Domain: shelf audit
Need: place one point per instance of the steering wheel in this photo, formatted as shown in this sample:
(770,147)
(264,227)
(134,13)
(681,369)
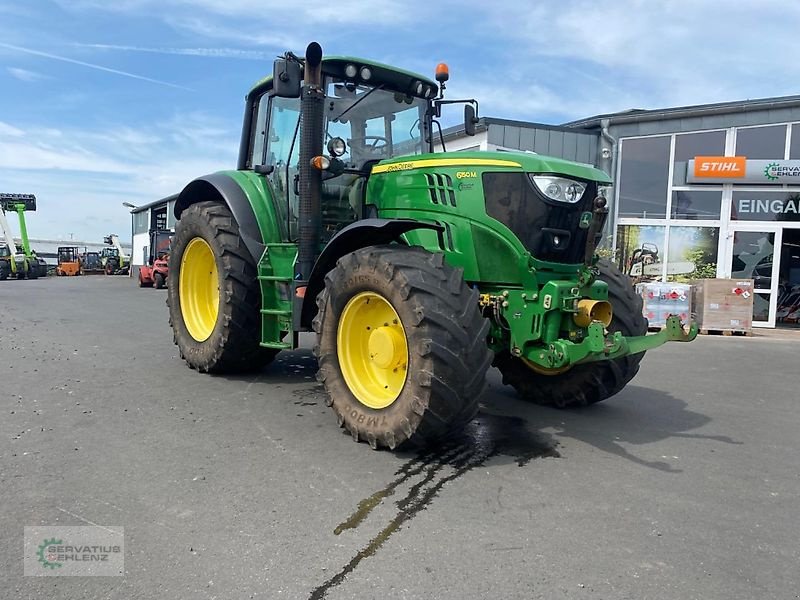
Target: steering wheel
(374,147)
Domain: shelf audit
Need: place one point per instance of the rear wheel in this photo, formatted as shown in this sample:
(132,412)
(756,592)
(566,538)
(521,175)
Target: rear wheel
(592,382)
(401,346)
(214,297)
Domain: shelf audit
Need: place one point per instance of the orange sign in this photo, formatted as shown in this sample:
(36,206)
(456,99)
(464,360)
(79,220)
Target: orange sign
(720,166)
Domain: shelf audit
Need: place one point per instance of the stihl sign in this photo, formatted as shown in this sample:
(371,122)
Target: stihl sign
(728,167)
(737,169)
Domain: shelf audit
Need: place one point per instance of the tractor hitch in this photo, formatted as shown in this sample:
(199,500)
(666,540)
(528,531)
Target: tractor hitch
(599,346)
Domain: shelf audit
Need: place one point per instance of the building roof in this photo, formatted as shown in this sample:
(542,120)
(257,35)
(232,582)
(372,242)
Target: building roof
(484,123)
(696,110)
(155,203)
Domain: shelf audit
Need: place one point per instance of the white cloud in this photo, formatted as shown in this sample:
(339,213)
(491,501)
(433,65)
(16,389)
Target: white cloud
(7,130)
(26,75)
(665,53)
(277,14)
(200,52)
(90,65)
(81,176)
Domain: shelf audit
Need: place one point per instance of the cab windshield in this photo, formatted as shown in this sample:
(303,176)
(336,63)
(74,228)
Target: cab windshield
(376,123)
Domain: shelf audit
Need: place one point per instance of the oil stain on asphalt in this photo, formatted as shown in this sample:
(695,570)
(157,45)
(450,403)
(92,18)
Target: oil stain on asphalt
(487,436)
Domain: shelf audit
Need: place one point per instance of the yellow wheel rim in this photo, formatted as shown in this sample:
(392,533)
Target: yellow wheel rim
(372,348)
(198,289)
(544,370)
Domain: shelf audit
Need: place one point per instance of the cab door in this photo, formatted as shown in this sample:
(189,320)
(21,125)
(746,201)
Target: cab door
(275,152)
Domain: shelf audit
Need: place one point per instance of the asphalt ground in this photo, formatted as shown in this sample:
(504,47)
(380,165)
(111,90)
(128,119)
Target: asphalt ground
(685,485)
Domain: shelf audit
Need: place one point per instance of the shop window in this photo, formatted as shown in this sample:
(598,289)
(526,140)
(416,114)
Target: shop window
(640,251)
(766,206)
(692,253)
(140,222)
(696,205)
(794,146)
(689,145)
(171,215)
(644,175)
(761,142)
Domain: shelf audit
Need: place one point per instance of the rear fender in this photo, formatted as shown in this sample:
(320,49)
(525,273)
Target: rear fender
(222,187)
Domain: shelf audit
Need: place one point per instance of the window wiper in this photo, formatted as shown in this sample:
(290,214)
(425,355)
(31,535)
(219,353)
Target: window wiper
(357,102)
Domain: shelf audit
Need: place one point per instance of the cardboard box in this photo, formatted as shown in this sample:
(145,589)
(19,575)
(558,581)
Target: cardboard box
(724,304)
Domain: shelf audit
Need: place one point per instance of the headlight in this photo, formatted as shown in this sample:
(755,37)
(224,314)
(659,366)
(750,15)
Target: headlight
(604,191)
(559,188)
(366,73)
(337,146)
(350,71)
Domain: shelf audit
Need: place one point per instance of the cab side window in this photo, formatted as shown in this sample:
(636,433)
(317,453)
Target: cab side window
(274,144)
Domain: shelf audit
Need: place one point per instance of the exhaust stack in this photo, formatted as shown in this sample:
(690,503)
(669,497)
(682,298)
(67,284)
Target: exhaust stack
(311,105)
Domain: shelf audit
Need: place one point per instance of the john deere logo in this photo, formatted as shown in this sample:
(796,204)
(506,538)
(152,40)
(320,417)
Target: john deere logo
(769,171)
(46,554)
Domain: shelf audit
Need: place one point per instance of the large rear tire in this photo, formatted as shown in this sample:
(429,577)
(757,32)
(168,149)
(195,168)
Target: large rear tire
(213,294)
(401,346)
(584,384)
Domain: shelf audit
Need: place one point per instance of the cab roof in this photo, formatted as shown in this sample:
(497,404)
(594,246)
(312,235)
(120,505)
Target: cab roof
(395,79)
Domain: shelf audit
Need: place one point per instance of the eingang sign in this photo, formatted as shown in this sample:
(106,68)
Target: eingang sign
(737,169)
(765,206)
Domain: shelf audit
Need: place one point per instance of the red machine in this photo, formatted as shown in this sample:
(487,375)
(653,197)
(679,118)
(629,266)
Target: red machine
(154,273)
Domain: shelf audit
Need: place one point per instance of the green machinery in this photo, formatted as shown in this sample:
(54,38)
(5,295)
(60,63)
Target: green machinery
(21,263)
(113,260)
(416,270)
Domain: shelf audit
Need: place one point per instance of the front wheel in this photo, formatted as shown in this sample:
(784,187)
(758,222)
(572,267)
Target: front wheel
(214,297)
(158,281)
(401,346)
(591,382)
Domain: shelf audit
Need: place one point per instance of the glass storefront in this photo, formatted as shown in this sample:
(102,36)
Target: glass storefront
(787,312)
(668,229)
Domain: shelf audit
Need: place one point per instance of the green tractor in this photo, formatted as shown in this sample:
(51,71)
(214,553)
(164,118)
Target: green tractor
(416,270)
(21,263)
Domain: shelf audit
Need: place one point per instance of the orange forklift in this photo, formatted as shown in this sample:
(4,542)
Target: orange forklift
(69,262)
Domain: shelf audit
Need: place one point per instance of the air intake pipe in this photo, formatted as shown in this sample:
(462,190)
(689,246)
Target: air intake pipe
(311,109)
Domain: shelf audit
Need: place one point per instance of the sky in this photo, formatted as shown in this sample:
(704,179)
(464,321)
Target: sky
(111,101)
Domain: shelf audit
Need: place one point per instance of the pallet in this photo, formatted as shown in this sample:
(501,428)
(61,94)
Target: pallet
(726,332)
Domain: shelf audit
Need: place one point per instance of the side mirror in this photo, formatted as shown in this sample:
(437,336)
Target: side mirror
(286,76)
(470,120)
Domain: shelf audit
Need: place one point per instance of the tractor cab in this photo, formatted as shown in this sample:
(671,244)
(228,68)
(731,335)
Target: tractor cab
(160,241)
(370,113)
(67,254)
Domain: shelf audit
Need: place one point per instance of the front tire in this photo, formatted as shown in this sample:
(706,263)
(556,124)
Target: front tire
(592,382)
(401,346)
(213,294)
(158,281)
